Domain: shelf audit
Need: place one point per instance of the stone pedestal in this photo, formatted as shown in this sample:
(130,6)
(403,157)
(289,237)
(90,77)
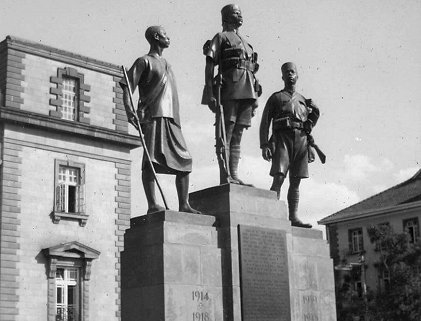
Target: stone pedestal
(242,261)
(171,269)
(271,271)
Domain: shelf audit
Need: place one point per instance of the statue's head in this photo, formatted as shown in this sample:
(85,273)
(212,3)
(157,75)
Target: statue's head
(231,14)
(157,35)
(289,73)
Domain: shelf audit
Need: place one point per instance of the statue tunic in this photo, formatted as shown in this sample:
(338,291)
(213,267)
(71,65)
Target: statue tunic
(158,111)
(287,112)
(234,55)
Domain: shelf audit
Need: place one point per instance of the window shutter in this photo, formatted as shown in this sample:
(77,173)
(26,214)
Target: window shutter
(417,228)
(351,249)
(60,197)
(361,241)
(80,198)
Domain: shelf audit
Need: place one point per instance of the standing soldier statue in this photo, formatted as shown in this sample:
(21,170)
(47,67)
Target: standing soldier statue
(158,118)
(232,94)
(290,147)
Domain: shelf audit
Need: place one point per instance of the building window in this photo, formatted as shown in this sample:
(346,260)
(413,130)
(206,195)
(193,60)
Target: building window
(70,191)
(67,294)
(385,280)
(70,196)
(356,244)
(412,228)
(69,270)
(70,98)
(358,288)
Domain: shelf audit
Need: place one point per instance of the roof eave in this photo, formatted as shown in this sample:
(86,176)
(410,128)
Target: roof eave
(371,212)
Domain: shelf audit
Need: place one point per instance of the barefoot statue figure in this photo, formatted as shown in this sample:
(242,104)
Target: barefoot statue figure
(158,117)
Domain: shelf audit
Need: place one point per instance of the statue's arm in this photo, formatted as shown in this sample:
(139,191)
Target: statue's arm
(133,75)
(264,130)
(312,117)
(209,75)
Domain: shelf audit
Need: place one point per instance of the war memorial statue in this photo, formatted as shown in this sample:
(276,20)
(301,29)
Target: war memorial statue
(292,118)
(158,115)
(233,92)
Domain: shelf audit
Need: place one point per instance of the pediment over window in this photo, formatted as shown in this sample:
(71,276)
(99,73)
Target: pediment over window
(72,250)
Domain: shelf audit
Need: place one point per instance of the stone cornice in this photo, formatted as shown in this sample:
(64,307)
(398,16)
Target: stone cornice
(67,57)
(71,127)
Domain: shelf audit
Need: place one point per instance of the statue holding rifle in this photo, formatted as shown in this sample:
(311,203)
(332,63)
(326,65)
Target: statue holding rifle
(232,94)
(157,116)
(290,148)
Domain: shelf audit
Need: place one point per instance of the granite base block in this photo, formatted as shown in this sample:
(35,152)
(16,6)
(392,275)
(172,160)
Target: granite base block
(239,261)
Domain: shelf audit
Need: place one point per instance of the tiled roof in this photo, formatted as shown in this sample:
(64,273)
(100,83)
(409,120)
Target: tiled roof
(403,193)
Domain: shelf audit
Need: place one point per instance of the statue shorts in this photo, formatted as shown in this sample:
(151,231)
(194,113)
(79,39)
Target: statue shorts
(238,111)
(291,153)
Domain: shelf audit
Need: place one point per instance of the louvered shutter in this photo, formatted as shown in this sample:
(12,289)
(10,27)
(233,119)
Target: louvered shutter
(80,199)
(60,198)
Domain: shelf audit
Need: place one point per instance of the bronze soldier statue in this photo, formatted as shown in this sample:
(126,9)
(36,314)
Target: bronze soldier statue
(158,114)
(235,87)
(292,118)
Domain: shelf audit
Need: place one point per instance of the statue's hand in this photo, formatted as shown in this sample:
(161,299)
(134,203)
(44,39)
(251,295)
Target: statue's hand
(266,153)
(254,107)
(310,103)
(308,126)
(213,104)
(132,120)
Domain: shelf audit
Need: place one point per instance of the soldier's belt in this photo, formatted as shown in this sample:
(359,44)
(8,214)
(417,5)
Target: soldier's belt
(237,64)
(286,123)
(233,53)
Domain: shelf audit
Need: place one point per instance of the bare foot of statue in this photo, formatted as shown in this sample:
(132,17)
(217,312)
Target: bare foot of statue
(240,182)
(155,208)
(231,180)
(188,209)
(298,223)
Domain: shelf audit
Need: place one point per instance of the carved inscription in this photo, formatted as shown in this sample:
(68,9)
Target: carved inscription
(264,274)
(202,299)
(310,306)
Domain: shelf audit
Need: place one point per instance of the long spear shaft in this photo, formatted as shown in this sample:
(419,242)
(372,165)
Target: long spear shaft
(142,139)
(222,124)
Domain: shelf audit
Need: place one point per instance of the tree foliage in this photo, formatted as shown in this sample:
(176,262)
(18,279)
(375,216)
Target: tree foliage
(401,301)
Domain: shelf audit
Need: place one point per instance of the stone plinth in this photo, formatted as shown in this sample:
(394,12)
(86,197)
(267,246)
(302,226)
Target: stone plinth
(271,271)
(240,261)
(171,269)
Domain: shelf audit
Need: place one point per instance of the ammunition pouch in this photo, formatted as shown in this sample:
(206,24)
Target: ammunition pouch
(236,63)
(286,123)
(228,53)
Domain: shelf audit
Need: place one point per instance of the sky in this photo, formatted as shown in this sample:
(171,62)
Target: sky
(359,60)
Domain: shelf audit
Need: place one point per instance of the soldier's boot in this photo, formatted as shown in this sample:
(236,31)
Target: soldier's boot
(182,186)
(148,181)
(224,178)
(293,199)
(234,160)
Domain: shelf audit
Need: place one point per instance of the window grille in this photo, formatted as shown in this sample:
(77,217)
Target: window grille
(356,243)
(67,294)
(70,98)
(70,194)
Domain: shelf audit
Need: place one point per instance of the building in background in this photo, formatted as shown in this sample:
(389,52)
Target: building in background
(346,230)
(65,184)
